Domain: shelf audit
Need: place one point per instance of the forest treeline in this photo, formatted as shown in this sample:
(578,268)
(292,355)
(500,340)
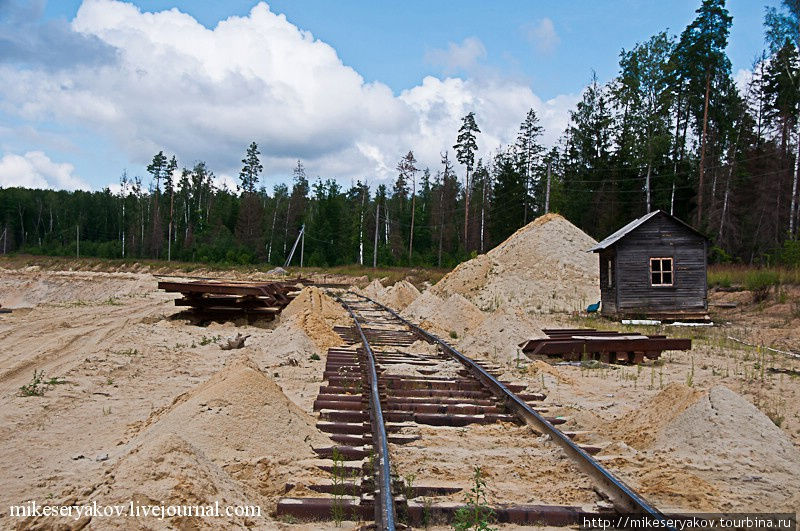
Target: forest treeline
(671,131)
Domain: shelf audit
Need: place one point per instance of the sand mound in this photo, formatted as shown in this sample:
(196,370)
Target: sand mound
(315,300)
(640,427)
(245,434)
(424,305)
(542,267)
(374,290)
(168,470)
(706,450)
(499,334)
(316,314)
(443,316)
(240,411)
(399,295)
(725,429)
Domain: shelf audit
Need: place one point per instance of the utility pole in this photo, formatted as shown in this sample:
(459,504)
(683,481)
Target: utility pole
(547,194)
(78,241)
(302,245)
(377,224)
(361,228)
(5,230)
(294,247)
(123,227)
(171,210)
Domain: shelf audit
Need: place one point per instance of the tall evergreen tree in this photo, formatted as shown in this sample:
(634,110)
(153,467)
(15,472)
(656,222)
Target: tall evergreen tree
(783,25)
(466,146)
(408,171)
(529,151)
(252,168)
(701,51)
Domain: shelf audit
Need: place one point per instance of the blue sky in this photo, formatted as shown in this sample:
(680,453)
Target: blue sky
(90,112)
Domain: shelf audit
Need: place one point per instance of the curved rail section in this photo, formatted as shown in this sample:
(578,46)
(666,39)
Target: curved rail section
(624,499)
(384,510)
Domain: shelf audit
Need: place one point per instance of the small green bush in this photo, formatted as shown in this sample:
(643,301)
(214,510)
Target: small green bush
(36,387)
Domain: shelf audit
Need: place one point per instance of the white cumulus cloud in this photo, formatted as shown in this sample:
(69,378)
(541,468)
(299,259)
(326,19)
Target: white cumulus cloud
(36,170)
(205,94)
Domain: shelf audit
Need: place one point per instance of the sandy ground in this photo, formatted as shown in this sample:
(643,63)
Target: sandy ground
(703,430)
(144,406)
(181,420)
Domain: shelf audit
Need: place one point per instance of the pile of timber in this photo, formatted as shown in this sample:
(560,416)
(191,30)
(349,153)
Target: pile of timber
(216,299)
(577,344)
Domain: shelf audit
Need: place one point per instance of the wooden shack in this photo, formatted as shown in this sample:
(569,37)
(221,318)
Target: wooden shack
(654,267)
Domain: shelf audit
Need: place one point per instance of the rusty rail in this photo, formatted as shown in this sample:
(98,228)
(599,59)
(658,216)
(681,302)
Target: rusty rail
(384,510)
(625,500)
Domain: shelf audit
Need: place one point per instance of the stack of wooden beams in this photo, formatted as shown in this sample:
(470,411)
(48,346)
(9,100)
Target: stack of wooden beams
(231,299)
(577,344)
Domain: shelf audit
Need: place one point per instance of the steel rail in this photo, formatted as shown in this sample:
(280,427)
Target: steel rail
(384,511)
(624,499)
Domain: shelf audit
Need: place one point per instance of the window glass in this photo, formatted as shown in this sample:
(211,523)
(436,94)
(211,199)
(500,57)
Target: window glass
(661,272)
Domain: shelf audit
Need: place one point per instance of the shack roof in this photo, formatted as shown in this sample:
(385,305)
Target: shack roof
(633,225)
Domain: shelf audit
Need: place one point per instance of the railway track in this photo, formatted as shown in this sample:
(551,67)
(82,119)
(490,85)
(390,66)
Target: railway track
(369,408)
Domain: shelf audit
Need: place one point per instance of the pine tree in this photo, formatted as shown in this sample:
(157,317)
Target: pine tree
(508,208)
(784,25)
(252,168)
(465,147)
(157,168)
(529,151)
(644,92)
(169,189)
(701,51)
(408,170)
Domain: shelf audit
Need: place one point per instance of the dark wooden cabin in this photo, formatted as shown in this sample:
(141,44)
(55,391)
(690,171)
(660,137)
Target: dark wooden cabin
(654,266)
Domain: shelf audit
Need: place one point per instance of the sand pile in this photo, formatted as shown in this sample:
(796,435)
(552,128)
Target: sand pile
(316,314)
(169,470)
(374,290)
(704,451)
(257,416)
(399,295)
(443,316)
(640,427)
(499,334)
(542,267)
(724,429)
(315,300)
(234,438)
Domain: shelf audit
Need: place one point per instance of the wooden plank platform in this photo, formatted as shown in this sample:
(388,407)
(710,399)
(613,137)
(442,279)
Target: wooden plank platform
(575,344)
(219,299)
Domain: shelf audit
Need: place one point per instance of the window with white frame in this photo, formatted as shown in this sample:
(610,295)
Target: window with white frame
(661,272)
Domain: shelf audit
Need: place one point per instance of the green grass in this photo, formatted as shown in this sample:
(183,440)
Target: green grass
(36,387)
(751,278)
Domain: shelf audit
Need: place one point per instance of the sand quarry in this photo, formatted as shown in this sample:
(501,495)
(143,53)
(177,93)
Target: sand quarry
(142,405)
